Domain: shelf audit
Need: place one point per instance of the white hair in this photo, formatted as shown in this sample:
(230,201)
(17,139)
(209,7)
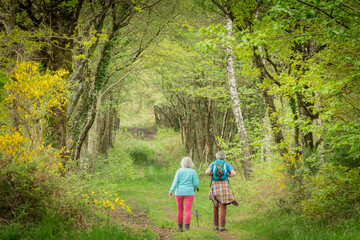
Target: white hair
(186,162)
(220,155)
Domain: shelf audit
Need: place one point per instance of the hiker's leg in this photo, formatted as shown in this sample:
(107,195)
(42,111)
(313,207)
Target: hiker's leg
(180,208)
(222,214)
(216,215)
(188,202)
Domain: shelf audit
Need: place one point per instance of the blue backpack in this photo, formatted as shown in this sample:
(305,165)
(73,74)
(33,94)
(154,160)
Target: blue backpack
(219,171)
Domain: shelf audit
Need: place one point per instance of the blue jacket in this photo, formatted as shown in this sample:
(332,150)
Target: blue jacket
(185,182)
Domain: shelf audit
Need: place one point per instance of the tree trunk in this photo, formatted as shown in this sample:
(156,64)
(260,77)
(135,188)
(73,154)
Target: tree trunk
(97,84)
(198,129)
(307,140)
(296,123)
(104,127)
(247,165)
(208,140)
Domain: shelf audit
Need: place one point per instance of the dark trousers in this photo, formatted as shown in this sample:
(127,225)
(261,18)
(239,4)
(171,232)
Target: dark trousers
(222,214)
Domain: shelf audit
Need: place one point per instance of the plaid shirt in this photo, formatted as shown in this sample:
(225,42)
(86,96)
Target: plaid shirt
(220,193)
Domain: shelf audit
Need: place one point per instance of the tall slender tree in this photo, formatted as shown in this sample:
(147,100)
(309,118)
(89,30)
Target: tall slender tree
(235,100)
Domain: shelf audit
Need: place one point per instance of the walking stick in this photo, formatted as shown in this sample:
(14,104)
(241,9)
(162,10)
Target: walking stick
(196,212)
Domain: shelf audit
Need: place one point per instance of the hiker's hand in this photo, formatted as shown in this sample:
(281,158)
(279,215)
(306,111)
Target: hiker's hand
(208,171)
(232,173)
(170,195)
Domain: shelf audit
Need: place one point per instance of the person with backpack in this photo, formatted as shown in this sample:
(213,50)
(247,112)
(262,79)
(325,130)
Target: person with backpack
(220,192)
(185,183)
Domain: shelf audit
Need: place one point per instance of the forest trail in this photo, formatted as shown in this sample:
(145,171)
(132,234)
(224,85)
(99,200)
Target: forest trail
(139,218)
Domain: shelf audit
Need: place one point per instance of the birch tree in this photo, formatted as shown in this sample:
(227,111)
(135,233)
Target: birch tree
(235,101)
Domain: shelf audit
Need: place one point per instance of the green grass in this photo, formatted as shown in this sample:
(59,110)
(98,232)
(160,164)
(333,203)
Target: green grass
(278,226)
(54,228)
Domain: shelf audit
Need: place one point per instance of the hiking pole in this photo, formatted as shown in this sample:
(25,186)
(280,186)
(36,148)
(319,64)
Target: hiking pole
(196,212)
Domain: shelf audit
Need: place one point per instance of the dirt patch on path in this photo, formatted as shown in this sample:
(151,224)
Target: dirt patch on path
(227,236)
(138,220)
(142,133)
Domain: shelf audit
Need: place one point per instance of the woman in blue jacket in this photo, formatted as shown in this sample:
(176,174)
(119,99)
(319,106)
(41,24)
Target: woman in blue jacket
(185,182)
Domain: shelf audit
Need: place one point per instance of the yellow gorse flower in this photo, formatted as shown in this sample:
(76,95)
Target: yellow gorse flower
(291,161)
(34,94)
(107,200)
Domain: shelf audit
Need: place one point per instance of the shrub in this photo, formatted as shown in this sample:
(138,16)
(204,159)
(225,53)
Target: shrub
(341,155)
(266,190)
(333,193)
(118,165)
(142,154)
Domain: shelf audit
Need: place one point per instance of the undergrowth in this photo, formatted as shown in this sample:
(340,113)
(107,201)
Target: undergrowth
(77,206)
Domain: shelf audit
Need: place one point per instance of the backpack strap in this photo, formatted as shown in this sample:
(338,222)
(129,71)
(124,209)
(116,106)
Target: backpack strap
(213,168)
(212,174)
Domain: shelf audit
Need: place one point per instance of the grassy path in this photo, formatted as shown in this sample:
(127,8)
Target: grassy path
(153,209)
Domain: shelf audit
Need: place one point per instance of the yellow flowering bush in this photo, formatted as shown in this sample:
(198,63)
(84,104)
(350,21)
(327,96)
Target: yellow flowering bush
(11,143)
(106,200)
(32,95)
(29,169)
(13,149)
(290,162)
(35,93)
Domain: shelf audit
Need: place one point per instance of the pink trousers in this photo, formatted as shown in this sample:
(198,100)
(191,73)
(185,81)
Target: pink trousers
(180,208)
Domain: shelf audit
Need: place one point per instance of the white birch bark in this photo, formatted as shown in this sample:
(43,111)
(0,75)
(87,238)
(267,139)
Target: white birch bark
(236,103)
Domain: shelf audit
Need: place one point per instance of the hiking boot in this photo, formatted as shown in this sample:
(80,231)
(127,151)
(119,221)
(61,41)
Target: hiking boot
(187,227)
(216,228)
(222,228)
(180,228)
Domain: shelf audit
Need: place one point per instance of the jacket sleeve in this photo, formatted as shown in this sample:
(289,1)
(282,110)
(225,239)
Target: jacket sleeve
(195,180)
(175,182)
(229,167)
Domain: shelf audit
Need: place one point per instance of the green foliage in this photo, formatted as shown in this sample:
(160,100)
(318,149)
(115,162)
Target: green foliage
(334,193)
(168,144)
(142,154)
(25,193)
(345,142)
(3,80)
(342,156)
(117,166)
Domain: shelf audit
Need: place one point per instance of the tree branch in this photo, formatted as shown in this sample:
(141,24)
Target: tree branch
(320,10)
(349,7)
(128,73)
